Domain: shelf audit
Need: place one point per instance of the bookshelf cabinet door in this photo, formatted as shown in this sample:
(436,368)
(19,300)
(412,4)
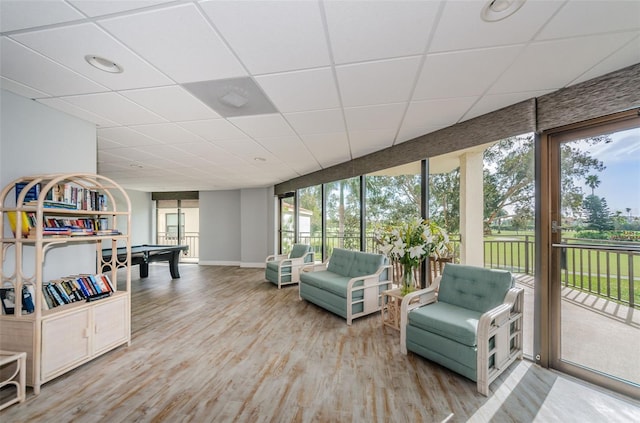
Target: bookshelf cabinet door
(65,341)
(110,324)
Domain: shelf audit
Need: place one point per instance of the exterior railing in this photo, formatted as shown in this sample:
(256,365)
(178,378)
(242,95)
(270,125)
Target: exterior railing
(189,238)
(609,269)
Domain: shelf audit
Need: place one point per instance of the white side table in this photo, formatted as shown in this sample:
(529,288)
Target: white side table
(16,377)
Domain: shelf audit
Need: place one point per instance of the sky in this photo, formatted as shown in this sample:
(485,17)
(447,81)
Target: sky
(620,181)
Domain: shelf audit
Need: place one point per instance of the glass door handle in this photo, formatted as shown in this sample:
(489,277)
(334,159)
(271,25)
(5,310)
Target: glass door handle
(555,227)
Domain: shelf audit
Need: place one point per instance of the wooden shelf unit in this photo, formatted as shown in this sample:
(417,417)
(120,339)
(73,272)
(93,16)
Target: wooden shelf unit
(62,338)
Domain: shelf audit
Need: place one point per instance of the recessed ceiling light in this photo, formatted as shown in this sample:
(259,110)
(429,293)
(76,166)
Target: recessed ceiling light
(497,10)
(135,165)
(103,64)
(259,159)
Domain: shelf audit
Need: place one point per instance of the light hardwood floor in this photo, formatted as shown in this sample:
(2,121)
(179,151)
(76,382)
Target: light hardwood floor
(222,345)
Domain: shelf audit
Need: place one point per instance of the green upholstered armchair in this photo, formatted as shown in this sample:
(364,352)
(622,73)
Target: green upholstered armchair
(284,269)
(469,320)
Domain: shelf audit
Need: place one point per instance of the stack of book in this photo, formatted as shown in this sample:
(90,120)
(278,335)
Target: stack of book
(76,288)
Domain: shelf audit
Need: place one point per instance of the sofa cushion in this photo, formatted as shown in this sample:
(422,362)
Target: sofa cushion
(340,261)
(330,282)
(447,320)
(299,250)
(473,288)
(365,264)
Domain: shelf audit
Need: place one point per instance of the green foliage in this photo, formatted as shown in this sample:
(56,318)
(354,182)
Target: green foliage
(592,235)
(597,214)
(444,204)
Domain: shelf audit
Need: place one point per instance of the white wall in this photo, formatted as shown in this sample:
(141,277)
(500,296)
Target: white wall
(35,139)
(142,216)
(253,227)
(220,227)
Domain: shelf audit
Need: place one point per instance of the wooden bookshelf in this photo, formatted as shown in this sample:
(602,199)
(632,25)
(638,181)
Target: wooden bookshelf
(61,338)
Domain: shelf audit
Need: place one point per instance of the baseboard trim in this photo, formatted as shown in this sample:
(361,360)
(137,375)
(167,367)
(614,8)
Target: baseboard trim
(254,265)
(218,263)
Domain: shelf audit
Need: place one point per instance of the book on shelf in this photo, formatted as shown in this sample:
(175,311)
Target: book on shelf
(8,298)
(76,288)
(31,195)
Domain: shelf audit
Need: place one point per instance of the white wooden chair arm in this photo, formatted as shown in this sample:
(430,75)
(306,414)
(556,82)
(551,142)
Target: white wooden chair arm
(276,257)
(373,279)
(425,297)
(314,267)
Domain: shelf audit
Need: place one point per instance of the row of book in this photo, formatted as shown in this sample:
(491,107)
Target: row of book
(76,288)
(64,195)
(56,226)
(8,299)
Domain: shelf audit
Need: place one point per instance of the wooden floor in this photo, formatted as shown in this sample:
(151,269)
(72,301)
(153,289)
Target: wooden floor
(222,345)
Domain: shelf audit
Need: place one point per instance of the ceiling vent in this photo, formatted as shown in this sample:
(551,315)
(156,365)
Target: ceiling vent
(232,97)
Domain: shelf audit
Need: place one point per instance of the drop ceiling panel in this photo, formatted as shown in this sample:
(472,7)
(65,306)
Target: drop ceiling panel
(454,68)
(407,133)
(20,89)
(114,107)
(302,90)
(172,103)
(263,126)
(434,113)
(69,45)
(105,144)
(328,149)
(78,112)
(27,67)
(214,129)
(527,74)
(317,121)
(127,137)
(167,133)
(246,149)
(460,26)
(272,36)
(178,41)
(388,81)
(384,116)
(490,103)
(358,30)
(626,56)
(578,18)
(365,142)
(16,15)
(98,8)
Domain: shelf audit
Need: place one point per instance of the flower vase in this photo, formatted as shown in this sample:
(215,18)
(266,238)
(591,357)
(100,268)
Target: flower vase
(408,280)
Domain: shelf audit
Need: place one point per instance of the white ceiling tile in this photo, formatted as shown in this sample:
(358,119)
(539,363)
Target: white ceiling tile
(105,144)
(388,81)
(626,56)
(173,103)
(210,152)
(301,90)
(214,129)
(433,113)
(70,44)
(272,36)
(21,89)
(292,151)
(167,133)
(328,149)
(114,107)
(178,41)
(316,122)
(526,74)
(357,29)
(262,126)
(460,26)
(16,15)
(27,67)
(78,112)
(490,103)
(105,7)
(407,133)
(172,151)
(366,142)
(126,137)
(123,155)
(468,73)
(384,116)
(578,18)
(244,148)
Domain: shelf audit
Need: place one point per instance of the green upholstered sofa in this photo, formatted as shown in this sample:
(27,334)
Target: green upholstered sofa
(471,325)
(348,284)
(283,269)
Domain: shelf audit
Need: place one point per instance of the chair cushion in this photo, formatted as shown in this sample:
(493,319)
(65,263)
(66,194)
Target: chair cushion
(330,282)
(365,264)
(299,250)
(473,288)
(273,265)
(447,320)
(340,261)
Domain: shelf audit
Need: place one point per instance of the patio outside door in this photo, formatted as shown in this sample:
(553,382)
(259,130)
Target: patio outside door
(594,253)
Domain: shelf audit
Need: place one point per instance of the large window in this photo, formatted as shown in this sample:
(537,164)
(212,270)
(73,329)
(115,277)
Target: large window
(310,218)
(343,215)
(392,196)
(185,231)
